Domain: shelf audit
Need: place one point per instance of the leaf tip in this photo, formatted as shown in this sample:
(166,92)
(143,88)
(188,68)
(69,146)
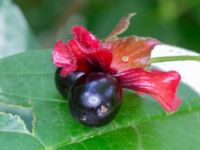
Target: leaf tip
(121,27)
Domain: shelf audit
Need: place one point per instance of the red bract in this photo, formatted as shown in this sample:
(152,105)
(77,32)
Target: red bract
(123,58)
(160,85)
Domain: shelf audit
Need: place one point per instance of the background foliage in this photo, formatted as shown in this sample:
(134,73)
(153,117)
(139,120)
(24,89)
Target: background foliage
(176,22)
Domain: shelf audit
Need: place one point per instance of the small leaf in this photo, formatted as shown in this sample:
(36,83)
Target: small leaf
(121,27)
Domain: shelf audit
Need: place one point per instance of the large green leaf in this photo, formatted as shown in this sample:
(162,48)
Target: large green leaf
(27,80)
(15,35)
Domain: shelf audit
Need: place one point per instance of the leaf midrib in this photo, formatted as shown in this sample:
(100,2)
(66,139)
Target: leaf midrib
(129,124)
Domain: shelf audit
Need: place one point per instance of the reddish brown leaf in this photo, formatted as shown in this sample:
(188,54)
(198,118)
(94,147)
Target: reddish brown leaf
(130,52)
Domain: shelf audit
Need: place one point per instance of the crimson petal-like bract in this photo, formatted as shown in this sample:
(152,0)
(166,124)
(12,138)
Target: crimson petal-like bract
(160,85)
(87,39)
(89,51)
(63,57)
(82,53)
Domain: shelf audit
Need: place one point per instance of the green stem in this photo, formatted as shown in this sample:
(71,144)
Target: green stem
(174,58)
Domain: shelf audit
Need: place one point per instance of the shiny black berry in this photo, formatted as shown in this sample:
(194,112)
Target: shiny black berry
(95,99)
(64,84)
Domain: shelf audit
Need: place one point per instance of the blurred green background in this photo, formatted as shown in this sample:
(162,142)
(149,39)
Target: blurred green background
(175,22)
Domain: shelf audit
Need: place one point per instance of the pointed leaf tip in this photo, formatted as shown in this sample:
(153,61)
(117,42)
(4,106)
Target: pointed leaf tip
(121,27)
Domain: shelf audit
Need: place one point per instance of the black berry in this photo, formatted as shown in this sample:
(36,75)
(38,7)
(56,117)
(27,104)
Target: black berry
(95,99)
(64,84)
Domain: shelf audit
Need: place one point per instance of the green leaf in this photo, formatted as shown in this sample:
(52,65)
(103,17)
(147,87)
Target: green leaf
(27,80)
(15,34)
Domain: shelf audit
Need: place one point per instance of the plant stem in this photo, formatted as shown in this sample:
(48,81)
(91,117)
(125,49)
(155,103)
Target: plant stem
(175,58)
